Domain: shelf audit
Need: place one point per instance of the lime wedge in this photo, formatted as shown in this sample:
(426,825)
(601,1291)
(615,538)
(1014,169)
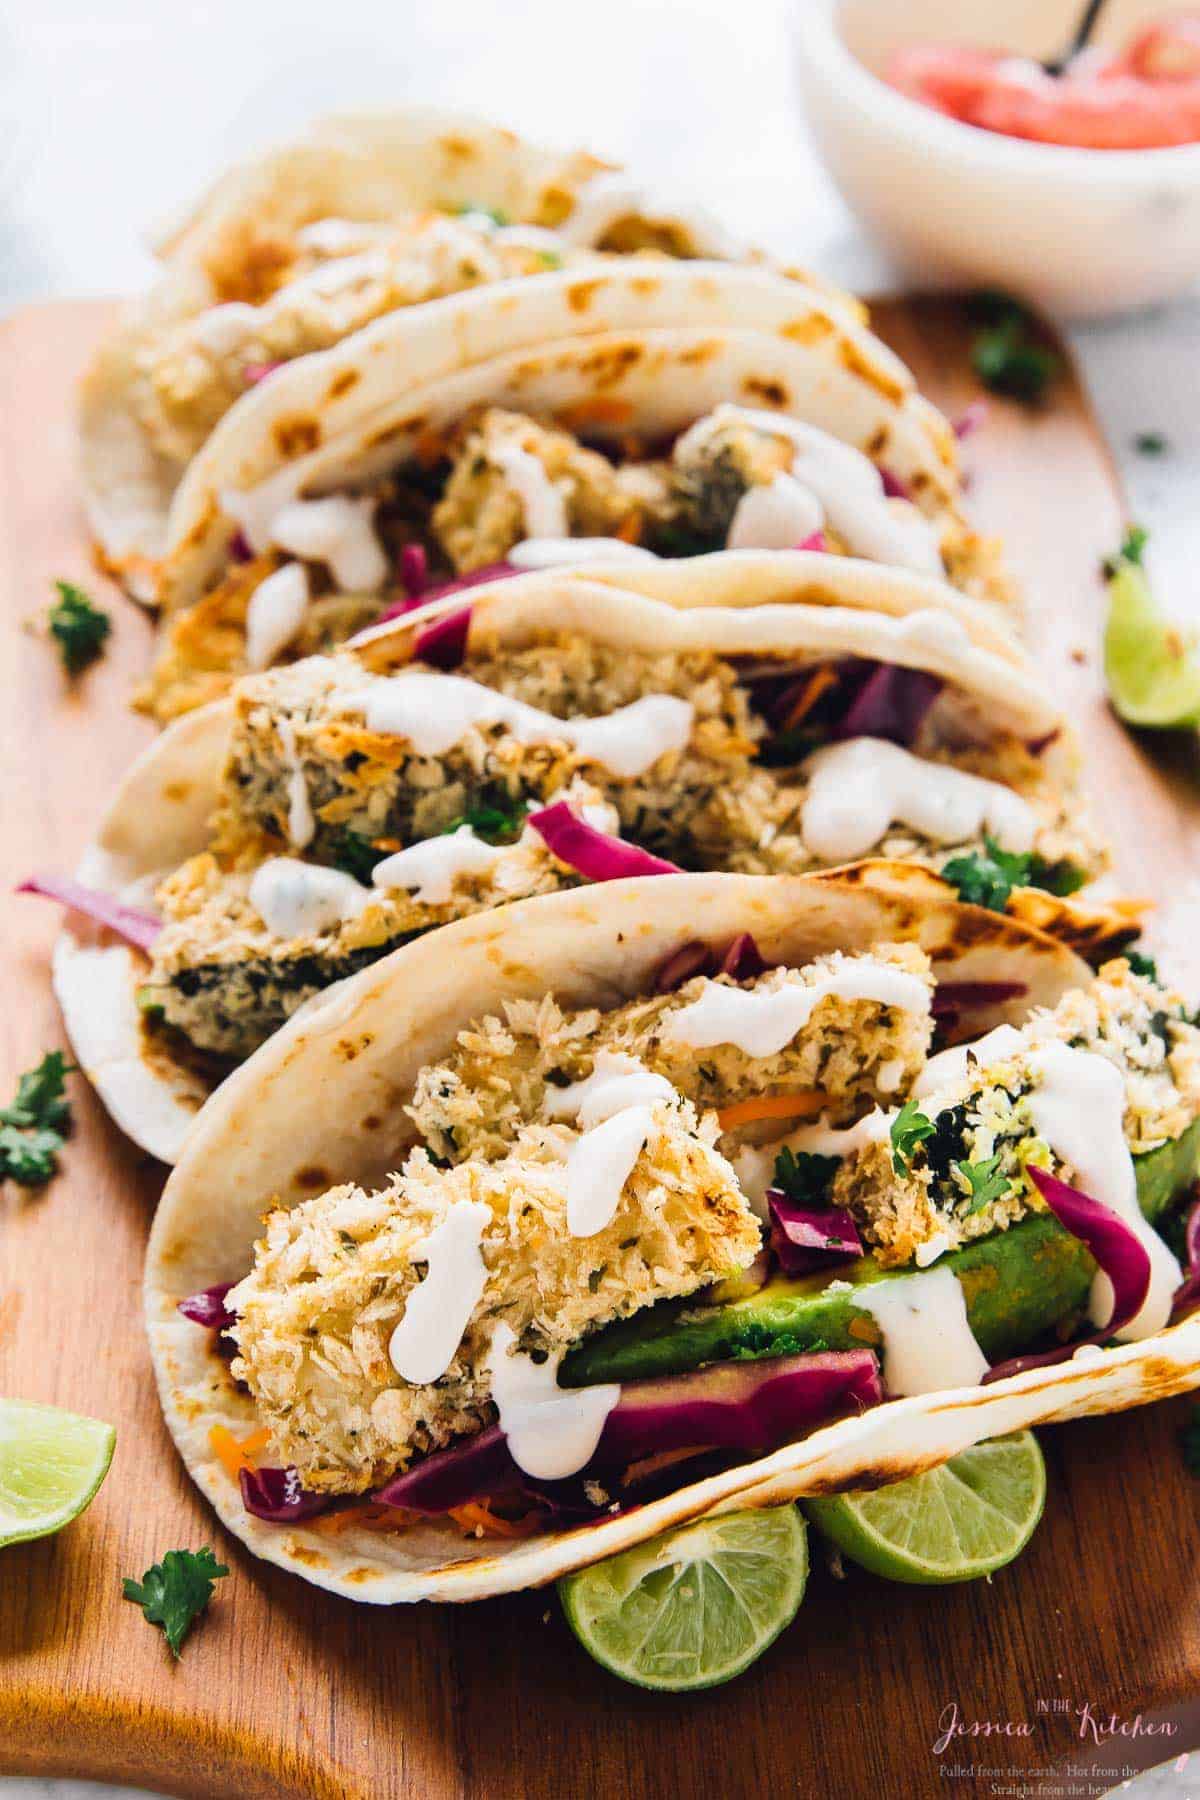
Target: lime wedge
(972,1515)
(694,1607)
(51,1464)
(1151,666)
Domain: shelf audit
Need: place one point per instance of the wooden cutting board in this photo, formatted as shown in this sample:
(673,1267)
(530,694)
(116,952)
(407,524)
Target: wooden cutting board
(283,1691)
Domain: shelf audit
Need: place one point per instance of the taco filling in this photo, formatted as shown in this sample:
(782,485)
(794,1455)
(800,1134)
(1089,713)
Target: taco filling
(359,809)
(628,1242)
(504,491)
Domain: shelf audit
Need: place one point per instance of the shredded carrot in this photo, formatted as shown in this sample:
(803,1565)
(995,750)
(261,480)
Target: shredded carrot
(477,1520)
(258,1440)
(818,683)
(230,1453)
(429,448)
(630,530)
(801,1105)
(369,1515)
(599,409)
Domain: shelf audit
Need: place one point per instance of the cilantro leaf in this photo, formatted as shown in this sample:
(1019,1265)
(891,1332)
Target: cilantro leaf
(755,1340)
(1151,443)
(1189,1441)
(498,821)
(174,1592)
(1132,546)
(803,1177)
(34,1127)
(78,626)
(985,1182)
(910,1128)
(987,878)
(354,854)
(1008,359)
(1141,964)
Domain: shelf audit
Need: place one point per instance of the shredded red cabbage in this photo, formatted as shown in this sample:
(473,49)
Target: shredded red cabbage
(971,419)
(806,1238)
(239,547)
(690,959)
(1118,1251)
(130,922)
(414,570)
(749,1407)
(743,960)
(1187,1294)
(277,1496)
(891,703)
(893,487)
(814,541)
(208,1308)
(444,643)
(953,997)
(256,372)
(496,571)
(593,854)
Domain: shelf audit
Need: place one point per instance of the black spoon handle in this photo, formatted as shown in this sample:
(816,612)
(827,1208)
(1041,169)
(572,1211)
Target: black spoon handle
(1083,32)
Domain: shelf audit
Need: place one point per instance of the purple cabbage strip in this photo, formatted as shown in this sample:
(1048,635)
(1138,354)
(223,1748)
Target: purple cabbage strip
(807,1238)
(277,1496)
(593,854)
(497,571)
(743,960)
(893,487)
(891,703)
(690,959)
(208,1308)
(952,997)
(1187,1294)
(130,922)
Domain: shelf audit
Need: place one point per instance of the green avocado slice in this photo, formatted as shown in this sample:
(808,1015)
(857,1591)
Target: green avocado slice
(1018,1284)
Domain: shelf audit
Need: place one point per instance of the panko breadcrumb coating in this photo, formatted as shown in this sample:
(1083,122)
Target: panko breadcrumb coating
(1144,1030)
(331,1278)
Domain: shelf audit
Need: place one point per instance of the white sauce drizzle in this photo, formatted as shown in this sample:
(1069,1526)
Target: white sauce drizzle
(599,1164)
(616,1080)
(435,711)
(430,868)
(338,531)
(928,1344)
(1078,1110)
(552,1432)
(438,1309)
(334,237)
(949,1068)
(543,506)
(554,552)
(860,788)
(275,614)
(848,488)
(775,515)
(302,825)
(298,899)
(761,1022)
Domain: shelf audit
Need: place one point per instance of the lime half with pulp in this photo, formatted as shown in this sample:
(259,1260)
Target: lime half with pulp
(968,1517)
(51,1464)
(696,1606)
(1152,667)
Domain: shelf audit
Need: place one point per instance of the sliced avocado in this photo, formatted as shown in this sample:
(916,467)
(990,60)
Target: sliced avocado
(1018,1285)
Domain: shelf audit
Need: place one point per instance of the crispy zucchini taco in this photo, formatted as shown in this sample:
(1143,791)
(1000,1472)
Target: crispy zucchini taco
(612,1208)
(628,413)
(802,711)
(295,249)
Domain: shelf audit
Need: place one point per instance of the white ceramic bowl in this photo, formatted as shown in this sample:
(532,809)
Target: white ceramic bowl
(1077,232)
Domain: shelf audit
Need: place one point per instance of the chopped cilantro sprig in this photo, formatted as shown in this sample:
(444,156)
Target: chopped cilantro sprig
(34,1127)
(1006,353)
(78,626)
(804,1177)
(985,1181)
(174,1592)
(910,1128)
(987,878)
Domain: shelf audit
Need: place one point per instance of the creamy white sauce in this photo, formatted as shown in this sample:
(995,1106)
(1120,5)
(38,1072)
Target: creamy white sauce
(302,825)
(1077,1109)
(848,489)
(345,272)
(859,789)
(527,237)
(338,531)
(335,237)
(554,552)
(552,1432)
(928,1344)
(429,869)
(275,614)
(616,1080)
(298,899)
(761,1021)
(775,515)
(222,329)
(543,506)
(599,1164)
(950,1068)
(435,711)
(439,1308)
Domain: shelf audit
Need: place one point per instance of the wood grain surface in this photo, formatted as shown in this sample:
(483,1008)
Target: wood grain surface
(285,1692)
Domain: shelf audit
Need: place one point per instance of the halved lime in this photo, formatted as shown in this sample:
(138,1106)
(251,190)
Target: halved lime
(964,1519)
(51,1464)
(694,1607)
(1152,667)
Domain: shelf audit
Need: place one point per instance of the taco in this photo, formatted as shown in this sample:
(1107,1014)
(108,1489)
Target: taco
(615,1207)
(297,249)
(631,413)
(561,729)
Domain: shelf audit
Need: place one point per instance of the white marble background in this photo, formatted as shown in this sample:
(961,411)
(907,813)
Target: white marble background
(111,114)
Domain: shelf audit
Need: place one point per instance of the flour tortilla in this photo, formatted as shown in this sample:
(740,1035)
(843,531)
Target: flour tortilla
(372,167)
(323,1104)
(647,348)
(741,603)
